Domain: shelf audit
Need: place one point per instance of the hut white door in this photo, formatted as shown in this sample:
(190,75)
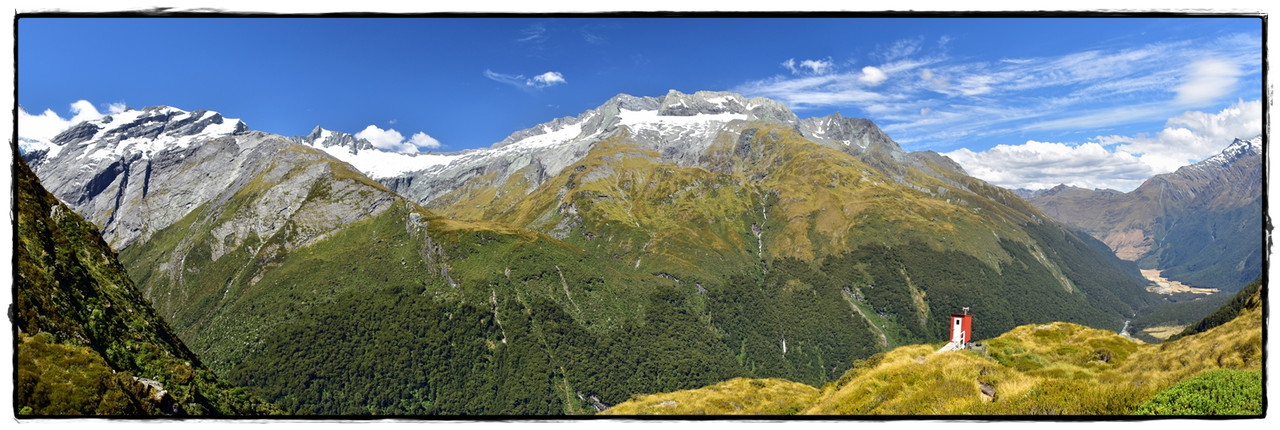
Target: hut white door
(957,332)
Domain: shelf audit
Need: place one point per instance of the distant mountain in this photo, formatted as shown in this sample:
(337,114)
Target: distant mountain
(88,343)
(1201,225)
(650,244)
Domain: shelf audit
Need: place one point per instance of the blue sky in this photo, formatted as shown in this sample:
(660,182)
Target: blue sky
(1020,102)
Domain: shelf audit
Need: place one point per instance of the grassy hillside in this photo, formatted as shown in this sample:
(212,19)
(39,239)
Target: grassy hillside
(88,343)
(1037,369)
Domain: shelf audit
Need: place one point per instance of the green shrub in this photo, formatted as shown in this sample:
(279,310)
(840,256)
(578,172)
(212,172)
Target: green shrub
(1214,392)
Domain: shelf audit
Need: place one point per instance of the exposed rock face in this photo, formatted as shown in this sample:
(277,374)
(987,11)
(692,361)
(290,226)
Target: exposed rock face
(860,134)
(148,169)
(679,127)
(128,172)
(322,138)
(179,193)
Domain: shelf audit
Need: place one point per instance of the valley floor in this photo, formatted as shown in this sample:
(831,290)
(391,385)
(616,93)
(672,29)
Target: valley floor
(1166,286)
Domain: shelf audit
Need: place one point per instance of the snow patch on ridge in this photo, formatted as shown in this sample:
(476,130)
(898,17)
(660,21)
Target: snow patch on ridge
(701,125)
(1234,150)
(378,164)
(147,146)
(547,139)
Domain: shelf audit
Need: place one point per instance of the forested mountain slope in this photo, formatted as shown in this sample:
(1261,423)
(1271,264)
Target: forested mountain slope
(88,343)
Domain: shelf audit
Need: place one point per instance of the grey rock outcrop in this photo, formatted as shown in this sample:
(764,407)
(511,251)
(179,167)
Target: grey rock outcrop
(138,172)
(320,137)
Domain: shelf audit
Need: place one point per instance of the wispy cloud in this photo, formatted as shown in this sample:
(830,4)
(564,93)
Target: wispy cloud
(1116,162)
(817,67)
(901,48)
(515,80)
(1207,80)
(534,33)
(1096,88)
(520,81)
(593,33)
(392,140)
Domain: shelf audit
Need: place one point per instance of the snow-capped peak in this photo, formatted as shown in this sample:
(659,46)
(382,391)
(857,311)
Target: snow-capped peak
(1237,149)
(675,115)
(323,138)
(368,159)
(144,132)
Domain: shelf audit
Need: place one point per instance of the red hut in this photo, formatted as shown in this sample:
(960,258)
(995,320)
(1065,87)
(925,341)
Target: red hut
(962,328)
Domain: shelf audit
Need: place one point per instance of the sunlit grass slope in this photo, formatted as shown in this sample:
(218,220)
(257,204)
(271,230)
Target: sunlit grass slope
(1036,369)
(739,396)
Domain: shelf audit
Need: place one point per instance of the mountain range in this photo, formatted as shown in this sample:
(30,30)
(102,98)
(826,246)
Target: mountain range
(1200,225)
(651,244)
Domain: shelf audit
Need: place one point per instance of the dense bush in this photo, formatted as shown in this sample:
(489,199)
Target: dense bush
(1214,392)
(91,328)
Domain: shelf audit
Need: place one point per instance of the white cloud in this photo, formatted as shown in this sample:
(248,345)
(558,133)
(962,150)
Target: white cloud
(1116,162)
(392,140)
(1207,80)
(872,76)
(790,64)
(40,127)
(546,79)
(817,67)
(1192,136)
(519,81)
(1037,165)
(48,124)
(422,140)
